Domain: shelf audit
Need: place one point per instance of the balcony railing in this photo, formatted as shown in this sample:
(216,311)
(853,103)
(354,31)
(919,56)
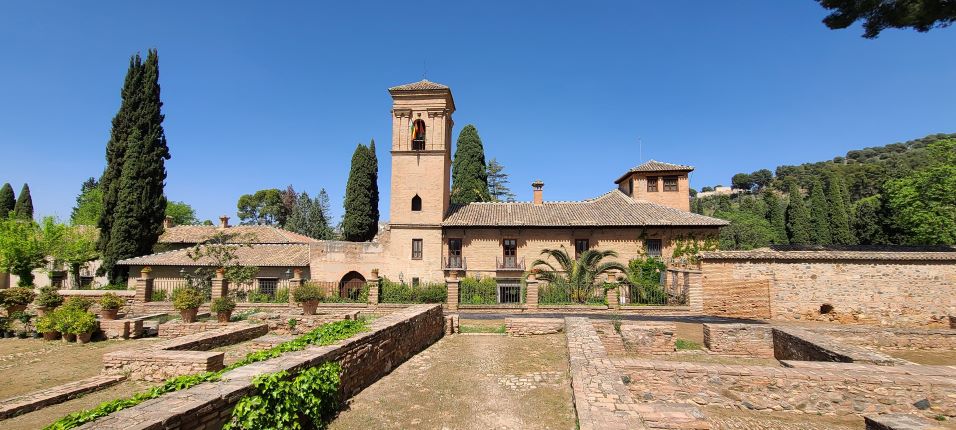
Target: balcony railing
(509,263)
(454,262)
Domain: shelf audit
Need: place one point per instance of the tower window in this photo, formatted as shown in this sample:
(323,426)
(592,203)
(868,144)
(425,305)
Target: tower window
(418,135)
(652,184)
(416,203)
(670,183)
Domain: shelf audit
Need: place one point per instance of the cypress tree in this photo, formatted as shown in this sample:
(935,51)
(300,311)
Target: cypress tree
(373,194)
(137,218)
(819,215)
(23,209)
(360,223)
(7,200)
(469,175)
(838,212)
(798,217)
(777,217)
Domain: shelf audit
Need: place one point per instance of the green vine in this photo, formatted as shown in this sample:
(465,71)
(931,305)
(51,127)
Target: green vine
(289,403)
(325,334)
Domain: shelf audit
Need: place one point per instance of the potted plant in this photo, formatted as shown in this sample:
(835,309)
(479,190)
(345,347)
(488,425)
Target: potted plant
(78,303)
(47,325)
(187,301)
(309,295)
(16,299)
(109,306)
(83,325)
(64,323)
(48,300)
(223,307)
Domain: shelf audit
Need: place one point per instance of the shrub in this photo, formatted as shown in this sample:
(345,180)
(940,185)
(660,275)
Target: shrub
(47,323)
(222,304)
(78,303)
(158,296)
(81,322)
(257,297)
(18,296)
(281,296)
(188,298)
(393,292)
(115,287)
(111,301)
(308,292)
(49,298)
(478,292)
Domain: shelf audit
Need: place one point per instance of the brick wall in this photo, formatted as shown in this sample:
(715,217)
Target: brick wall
(885,291)
(749,340)
(533,326)
(174,329)
(364,358)
(649,337)
(791,343)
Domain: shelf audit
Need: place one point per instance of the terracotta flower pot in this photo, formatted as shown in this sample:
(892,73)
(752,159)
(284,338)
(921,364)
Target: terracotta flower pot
(84,337)
(15,308)
(223,317)
(308,308)
(108,314)
(189,315)
(69,337)
(51,335)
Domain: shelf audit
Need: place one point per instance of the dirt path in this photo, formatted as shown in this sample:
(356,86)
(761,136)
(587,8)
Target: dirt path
(471,382)
(45,416)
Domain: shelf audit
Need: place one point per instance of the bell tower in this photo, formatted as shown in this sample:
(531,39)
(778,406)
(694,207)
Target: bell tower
(421,153)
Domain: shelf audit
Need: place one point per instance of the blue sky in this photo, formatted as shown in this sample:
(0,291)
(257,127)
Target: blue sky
(266,94)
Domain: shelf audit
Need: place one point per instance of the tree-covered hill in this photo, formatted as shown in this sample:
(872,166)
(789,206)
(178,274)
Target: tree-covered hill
(903,193)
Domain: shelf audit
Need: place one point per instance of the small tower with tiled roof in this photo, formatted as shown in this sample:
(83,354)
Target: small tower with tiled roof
(658,182)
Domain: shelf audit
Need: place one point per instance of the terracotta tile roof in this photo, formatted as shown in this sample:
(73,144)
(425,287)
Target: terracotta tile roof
(236,234)
(655,166)
(282,255)
(611,209)
(422,85)
(909,253)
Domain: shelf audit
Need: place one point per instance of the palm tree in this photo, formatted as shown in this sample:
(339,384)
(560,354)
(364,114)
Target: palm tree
(575,277)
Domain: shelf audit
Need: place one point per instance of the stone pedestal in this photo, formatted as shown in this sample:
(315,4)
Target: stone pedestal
(613,298)
(373,289)
(144,287)
(294,283)
(452,283)
(220,286)
(531,298)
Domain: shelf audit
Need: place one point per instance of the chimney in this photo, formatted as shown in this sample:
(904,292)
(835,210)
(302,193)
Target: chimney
(223,222)
(168,222)
(538,187)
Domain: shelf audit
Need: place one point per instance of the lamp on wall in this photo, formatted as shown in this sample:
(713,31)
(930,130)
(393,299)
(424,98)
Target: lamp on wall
(288,273)
(182,271)
(401,277)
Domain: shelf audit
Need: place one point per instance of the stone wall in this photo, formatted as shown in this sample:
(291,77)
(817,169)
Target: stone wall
(892,338)
(648,337)
(885,288)
(178,328)
(747,340)
(364,358)
(791,343)
(279,322)
(735,298)
(533,326)
(121,329)
(811,391)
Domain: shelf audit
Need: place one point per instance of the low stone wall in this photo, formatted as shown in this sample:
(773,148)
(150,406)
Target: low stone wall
(899,422)
(55,395)
(892,338)
(452,324)
(178,328)
(230,334)
(811,391)
(279,322)
(533,326)
(648,337)
(750,340)
(364,358)
(791,343)
(121,329)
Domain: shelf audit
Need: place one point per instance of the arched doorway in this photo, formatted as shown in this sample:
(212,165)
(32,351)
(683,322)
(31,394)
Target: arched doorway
(350,287)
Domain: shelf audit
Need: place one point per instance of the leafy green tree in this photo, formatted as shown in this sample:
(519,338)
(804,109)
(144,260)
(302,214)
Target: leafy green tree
(7,200)
(136,220)
(923,204)
(89,204)
(819,215)
(798,217)
(469,175)
(746,231)
(576,277)
(264,207)
(70,246)
(360,222)
(310,216)
(742,181)
(869,222)
(761,178)
(498,183)
(838,213)
(776,216)
(878,15)
(23,208)
(21,248)
(181,213)
(706,189)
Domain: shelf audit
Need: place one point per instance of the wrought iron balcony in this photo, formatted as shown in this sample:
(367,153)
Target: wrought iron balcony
(509,264)
(454,262)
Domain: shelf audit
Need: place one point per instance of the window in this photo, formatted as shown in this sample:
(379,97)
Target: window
(653,247)
(630,187)
(670,183)
(416,203)
(418,135)
(581,245)
(416,249)
(454,254)
(86,282)
(268,286)
(652,184)
(416,282)
(509,249)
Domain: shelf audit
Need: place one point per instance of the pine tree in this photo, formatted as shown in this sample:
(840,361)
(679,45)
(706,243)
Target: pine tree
(321,203)
(23,209)
(498,182)
(798,217)
(360,223)
(777,217)
(137,218)
(469,175)
(819,215)
(7,200)
(838,212)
